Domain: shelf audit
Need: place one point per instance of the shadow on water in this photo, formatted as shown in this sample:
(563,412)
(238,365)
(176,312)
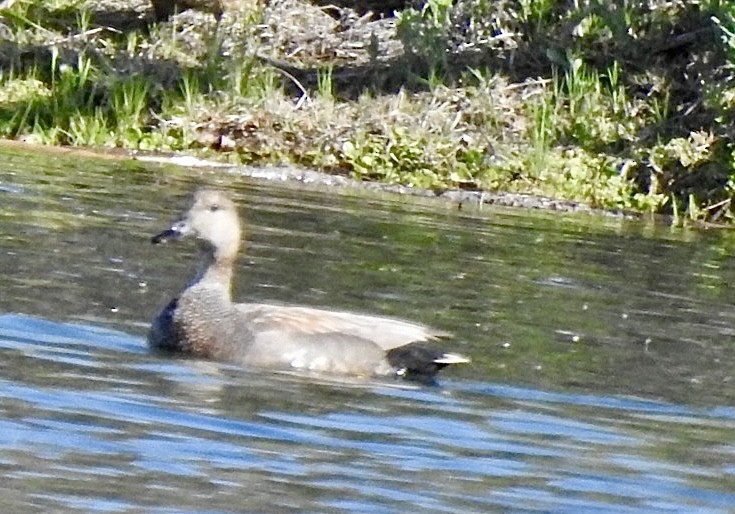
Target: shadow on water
(601,352)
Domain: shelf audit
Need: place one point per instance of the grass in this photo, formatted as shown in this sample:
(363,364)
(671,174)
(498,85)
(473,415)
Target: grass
(566,101)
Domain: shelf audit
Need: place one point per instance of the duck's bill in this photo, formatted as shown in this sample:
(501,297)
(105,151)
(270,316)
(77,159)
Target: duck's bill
(174,232)
(165,236)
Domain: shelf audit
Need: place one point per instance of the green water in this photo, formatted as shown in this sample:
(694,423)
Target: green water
(602,354)
(537,298)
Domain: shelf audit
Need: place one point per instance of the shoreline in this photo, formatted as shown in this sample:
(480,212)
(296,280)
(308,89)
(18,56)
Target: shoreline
(295,174)
(557,108)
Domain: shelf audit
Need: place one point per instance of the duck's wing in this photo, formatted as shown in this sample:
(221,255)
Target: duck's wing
(386,333)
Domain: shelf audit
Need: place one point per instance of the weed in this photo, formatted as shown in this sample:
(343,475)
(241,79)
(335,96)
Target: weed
(325,85)
(424,34)
(87,129)
(535,12)
(190,93)
(130,99)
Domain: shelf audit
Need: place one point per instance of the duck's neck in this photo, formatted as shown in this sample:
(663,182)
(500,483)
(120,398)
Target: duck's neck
(215,272)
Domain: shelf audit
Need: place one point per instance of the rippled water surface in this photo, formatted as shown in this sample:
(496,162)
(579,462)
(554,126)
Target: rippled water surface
(601,377)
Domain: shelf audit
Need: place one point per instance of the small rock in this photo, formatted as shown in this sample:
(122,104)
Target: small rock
(165,8)
(226,143)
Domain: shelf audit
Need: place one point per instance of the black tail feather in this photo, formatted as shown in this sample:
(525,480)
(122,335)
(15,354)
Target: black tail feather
(420,362)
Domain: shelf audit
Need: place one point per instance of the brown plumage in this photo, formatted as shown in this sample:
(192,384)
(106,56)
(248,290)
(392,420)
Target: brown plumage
(204,322)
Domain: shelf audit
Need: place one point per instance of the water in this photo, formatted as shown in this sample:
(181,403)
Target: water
(602,356)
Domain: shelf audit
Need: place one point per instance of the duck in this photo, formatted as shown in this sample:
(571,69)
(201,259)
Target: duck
(204,322)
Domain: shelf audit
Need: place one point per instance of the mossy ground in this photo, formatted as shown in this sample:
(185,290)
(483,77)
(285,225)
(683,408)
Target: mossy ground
(622,105)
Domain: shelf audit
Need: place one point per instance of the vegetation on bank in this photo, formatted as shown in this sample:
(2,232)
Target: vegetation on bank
(624,105)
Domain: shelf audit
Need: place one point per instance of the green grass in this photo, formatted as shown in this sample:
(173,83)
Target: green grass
(577,105)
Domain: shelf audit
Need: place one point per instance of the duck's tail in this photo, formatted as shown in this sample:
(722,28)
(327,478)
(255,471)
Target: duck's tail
(420,362)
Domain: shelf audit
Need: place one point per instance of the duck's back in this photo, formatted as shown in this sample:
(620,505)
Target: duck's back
(386,333)
(324,340)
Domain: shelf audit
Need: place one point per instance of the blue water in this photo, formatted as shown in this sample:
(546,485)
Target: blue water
(602,356)
(92,422)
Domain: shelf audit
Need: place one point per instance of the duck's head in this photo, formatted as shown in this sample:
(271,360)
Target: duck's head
(212,219)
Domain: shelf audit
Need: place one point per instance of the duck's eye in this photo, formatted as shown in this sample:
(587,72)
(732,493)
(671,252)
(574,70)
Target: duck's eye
(213,208)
